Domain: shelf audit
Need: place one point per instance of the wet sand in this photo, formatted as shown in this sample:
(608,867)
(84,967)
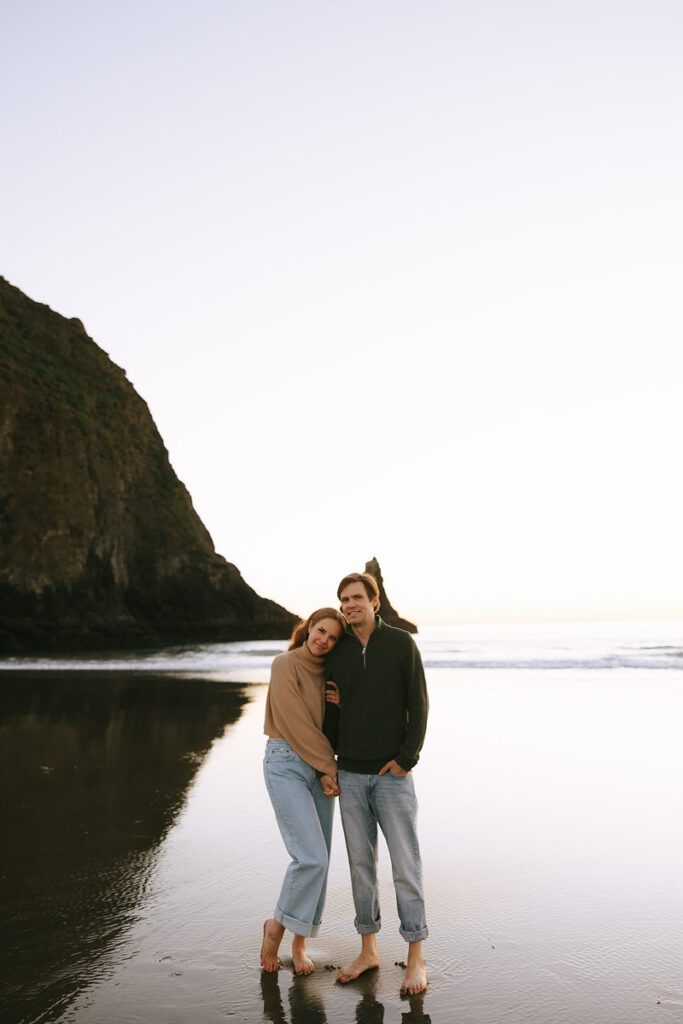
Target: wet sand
(551,817)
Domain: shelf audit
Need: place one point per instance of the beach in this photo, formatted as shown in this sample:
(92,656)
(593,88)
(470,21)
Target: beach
(141,854)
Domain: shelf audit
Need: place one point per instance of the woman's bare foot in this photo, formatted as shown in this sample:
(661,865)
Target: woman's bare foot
(302,963)
(367,960)
(415,979)
(272,937)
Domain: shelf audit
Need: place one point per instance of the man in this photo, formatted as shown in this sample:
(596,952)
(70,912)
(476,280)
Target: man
(378,730)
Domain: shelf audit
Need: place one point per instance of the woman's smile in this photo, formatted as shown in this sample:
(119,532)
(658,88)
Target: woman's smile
(322,636)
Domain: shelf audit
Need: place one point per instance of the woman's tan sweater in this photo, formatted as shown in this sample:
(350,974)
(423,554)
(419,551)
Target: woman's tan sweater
(295,707)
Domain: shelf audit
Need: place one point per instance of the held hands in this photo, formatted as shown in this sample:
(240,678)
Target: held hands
(393,767)
(332,693)
(330,785)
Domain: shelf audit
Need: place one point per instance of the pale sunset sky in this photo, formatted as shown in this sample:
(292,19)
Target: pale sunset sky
(395,279)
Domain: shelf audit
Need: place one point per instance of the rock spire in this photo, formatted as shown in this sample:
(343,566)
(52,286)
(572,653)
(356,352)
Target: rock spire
(389,614)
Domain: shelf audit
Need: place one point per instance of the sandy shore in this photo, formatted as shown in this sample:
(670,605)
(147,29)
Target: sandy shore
(551,818)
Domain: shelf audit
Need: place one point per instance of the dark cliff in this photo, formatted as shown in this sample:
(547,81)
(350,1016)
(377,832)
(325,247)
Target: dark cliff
(99,542)
(387,613)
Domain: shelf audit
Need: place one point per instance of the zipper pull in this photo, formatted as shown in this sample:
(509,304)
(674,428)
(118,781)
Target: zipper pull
(363,653)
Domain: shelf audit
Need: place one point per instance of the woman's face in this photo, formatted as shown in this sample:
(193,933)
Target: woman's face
(322,636)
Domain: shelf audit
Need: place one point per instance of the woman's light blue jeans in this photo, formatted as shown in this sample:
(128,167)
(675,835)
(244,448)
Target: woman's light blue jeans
(304,816)
(389,801)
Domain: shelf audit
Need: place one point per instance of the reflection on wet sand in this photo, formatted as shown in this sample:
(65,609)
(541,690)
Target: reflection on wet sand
(94,768)
(305,1003)
(550,810)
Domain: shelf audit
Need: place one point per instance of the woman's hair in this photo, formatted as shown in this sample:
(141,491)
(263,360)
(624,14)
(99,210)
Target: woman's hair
(300,632)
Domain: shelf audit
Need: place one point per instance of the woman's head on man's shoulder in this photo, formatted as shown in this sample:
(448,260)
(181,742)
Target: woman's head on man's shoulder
(319,632)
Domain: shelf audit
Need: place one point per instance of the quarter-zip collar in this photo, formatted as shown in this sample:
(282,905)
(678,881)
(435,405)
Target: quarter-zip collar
(378,625)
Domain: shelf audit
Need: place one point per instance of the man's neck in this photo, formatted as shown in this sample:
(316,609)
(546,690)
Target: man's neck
(364,632)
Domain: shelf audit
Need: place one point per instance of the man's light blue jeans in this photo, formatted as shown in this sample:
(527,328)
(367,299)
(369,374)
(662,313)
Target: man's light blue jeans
(304,816)
(389,801)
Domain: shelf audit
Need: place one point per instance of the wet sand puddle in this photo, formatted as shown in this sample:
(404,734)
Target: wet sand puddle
(551,823)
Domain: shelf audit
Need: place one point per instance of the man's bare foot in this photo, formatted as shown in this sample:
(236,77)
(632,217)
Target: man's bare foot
(272,937)
(415,978)
(302,963)
(366,961)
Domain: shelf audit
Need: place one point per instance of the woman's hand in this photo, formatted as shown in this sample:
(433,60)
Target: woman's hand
(330,785)
(332,693)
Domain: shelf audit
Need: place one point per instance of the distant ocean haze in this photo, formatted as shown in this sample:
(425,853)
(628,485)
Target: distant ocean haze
(532,646)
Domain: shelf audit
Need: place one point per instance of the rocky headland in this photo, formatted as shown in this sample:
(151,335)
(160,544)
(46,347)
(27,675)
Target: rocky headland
(100,545)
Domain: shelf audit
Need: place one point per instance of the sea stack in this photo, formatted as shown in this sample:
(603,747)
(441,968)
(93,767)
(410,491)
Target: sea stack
(100,545)
(387,613)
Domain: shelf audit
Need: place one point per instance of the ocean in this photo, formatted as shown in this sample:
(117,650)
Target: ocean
(140,853)
(577,645)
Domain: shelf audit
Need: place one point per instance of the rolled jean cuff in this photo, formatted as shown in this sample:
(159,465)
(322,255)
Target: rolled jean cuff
(368,929)
(297,927)
(418,936)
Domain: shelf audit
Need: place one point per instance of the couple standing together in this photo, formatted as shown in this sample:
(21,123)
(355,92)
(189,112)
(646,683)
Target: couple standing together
(374,716)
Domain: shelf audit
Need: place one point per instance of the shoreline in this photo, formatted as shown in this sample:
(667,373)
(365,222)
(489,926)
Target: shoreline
(550,812)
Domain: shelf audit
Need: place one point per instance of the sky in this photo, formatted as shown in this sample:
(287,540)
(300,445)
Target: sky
(395,279)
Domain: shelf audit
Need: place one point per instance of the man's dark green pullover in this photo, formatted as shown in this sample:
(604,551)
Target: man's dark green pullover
(383,714)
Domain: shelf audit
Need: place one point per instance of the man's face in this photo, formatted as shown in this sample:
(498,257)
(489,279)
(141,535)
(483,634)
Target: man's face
(357,607)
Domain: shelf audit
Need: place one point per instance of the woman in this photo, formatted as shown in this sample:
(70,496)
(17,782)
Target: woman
(301,777)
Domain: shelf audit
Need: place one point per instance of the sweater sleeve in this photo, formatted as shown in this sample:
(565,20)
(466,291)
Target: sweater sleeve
(294,721)
(417,704)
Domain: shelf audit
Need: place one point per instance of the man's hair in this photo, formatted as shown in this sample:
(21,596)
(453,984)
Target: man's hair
(368,581)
